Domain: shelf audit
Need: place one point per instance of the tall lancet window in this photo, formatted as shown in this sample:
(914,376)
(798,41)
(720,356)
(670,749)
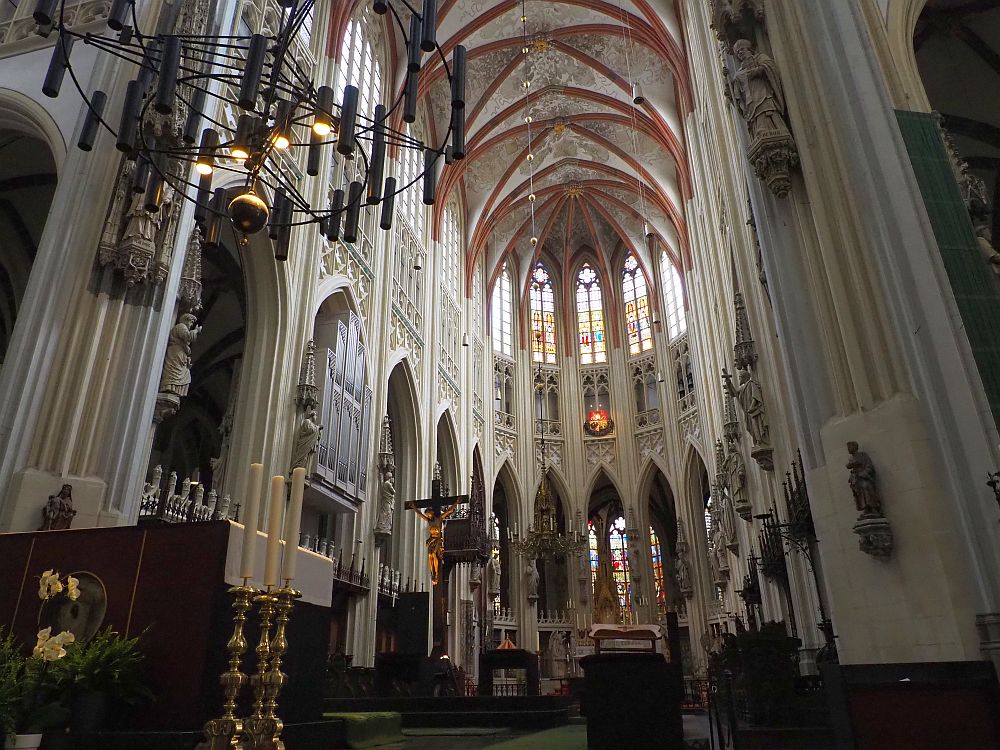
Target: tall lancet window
(594,556)
(543,317)
(411,203)
(590,316)
(619,561)
(502,314)
(673,297)
(638,322)
(656,553)
(359,66)
(451,243)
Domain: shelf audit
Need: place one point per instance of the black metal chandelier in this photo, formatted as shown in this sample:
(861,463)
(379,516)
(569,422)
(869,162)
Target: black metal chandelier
(167,125)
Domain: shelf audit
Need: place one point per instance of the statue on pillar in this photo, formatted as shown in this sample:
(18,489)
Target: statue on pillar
(750,398)
(305,441)
(175,380)
(757,91)
(387,483)
(736,474)
(58,511)
(531,580)
(386,500)
(493,575)
(872,526)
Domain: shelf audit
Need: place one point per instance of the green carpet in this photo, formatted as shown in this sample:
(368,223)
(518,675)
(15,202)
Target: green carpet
(455,731)
(363,730)
(564,738)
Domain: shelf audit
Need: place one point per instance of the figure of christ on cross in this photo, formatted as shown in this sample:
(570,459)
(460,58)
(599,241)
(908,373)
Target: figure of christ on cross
(435,511)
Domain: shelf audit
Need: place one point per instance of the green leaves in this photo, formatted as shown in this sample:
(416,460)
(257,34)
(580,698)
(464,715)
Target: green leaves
(109,663)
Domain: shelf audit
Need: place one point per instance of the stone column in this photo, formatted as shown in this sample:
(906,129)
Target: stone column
(851,253)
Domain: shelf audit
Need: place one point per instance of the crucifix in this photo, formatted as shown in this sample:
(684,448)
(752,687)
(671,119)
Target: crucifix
(435,510)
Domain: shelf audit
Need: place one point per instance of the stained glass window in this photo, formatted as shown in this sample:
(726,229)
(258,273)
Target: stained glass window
(673,297)
(638,321)
(619,561)
(590,316)
(656,553)
(593,554)
(503,315)
(543,317)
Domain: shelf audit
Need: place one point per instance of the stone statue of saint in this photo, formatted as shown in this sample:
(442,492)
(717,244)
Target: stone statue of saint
(558,653)
(531,580)
(493,575)
(141,225)
(750,398)
(386,499)
(58,511)
(176,377)
(866,495)
(683,573)
(758,93)
(989,254)
(305,441)
(736,474)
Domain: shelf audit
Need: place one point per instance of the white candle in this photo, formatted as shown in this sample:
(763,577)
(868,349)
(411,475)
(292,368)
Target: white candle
(293,522)
(274,510)
(251,516)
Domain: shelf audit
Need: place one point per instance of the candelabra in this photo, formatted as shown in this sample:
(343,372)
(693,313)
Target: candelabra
(775,530)
(543,538)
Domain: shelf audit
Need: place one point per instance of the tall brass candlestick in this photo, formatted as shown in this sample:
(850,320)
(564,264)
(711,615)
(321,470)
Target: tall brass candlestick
(222,733)
(259,730)
(275,679)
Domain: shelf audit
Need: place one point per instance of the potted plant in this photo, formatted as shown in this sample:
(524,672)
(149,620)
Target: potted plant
(30,700)
(96,675)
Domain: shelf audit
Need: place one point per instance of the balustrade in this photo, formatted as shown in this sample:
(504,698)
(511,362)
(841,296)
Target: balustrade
(184,500)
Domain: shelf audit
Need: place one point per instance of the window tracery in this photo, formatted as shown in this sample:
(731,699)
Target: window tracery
(656,553)
(590,316)
(543,317)
(638,321)
(451,244)
(618,542)
(359,66)
(673,297)
(410,202)
(502,314)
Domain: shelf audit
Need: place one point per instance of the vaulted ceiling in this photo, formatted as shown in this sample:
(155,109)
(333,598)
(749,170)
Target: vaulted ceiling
(602,166)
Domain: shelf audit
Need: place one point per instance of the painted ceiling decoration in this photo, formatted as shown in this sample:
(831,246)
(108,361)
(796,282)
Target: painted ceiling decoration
(605,171)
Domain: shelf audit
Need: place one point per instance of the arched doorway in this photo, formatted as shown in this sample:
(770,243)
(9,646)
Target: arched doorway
(500,583)
(610,572)
(27,183)
(402,413)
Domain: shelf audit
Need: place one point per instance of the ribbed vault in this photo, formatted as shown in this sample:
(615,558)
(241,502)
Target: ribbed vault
(602,166)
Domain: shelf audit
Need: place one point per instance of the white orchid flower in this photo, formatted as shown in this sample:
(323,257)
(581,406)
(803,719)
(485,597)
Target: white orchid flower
(43,638)
(72,588)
